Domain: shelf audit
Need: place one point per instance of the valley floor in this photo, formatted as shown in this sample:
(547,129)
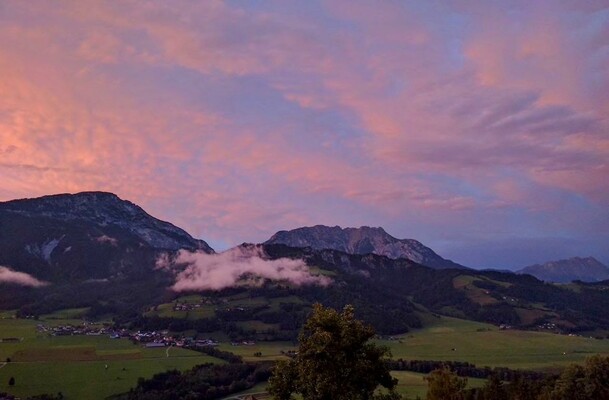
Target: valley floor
(76,365)
(446,338)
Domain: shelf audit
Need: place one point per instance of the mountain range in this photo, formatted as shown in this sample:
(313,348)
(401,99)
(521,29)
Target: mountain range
(99,252)
(587,269)
(106,210)
(364,240)
(89,235)
(92,248)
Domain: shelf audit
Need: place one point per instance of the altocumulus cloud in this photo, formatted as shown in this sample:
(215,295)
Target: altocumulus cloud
(7,275)
(237,267)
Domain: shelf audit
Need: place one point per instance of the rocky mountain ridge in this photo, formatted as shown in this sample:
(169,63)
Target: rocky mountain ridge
(106,210)
(585,269)
(363,240)
(92,250)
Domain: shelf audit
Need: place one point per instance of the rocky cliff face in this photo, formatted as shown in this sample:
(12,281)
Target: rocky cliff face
(106,210)
(84,236)
(362,240)
(586,269)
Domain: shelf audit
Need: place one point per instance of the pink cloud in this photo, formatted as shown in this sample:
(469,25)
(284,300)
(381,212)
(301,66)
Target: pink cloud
(240,266)
(236,121)
(9,276)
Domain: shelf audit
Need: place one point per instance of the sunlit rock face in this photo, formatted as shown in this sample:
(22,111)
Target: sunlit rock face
(90,235)
(105,210)
(363,240)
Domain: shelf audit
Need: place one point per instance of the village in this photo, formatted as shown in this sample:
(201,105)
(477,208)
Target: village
(148,339)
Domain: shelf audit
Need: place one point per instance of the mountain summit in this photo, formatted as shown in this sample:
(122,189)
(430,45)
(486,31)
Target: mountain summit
(363,240)
(587,269)
(104,209)
(81,248)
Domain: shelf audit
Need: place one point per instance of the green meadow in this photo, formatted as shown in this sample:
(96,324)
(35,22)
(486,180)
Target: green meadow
(76,365)
(410,385)
(258,390)
(269,350)
(207,310)
(448,338)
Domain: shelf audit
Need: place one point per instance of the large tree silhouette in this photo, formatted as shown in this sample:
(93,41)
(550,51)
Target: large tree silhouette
(335,361)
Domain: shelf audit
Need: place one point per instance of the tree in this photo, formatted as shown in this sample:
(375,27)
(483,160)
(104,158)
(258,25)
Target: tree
(525,389)
(494,389)
(11,382)
(590,381)
(335,361)
(444,384)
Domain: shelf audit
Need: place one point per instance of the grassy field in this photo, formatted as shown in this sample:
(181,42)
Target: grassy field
(475,294)
(88,379)
(412,384)
(76,365)
(207,310)
(486,345)
(269,350)
(259,390)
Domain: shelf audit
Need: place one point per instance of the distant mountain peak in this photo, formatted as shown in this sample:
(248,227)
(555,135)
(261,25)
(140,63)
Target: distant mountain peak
(362,240)
(585,269)
(107,209)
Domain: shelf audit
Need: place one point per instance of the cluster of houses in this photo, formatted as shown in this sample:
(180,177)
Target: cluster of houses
(186,306)
(548,325)
(177,306)
(149,339)
(163,339)
(194,306)
(69,330)
(243,343)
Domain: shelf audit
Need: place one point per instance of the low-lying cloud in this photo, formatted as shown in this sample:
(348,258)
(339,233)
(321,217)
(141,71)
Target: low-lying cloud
(240,266)
(7,275)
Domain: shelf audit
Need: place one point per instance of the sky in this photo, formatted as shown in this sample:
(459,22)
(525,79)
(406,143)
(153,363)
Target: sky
(480,128)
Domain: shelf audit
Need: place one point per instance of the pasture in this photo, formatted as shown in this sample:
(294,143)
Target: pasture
(482,344)
(410,385)
(76,365)
(270,350)
(194,307)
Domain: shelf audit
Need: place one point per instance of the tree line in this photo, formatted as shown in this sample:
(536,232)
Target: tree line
(203,382)
(577,382)
(465,369)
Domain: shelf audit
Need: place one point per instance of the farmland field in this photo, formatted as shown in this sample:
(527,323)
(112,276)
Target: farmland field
(486,345)
(197,307)
(76,365)
(269,350)
(410,384)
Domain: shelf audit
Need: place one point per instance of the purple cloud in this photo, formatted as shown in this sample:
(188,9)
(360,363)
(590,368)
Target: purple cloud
(235,120)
